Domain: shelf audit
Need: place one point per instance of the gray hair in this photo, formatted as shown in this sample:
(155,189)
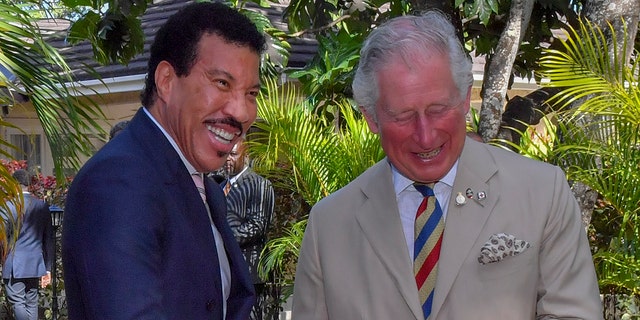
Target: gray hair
(409,38)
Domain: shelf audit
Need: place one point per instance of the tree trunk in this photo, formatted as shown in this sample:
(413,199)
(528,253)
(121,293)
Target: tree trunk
(496,78)
(616,13)
(601,13)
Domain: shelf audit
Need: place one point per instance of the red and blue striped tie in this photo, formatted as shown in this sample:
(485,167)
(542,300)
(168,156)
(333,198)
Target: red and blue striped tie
(426,248)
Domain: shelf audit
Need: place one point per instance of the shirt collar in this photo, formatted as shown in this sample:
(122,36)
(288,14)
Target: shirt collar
(190,168)
(235,178)
(400,182)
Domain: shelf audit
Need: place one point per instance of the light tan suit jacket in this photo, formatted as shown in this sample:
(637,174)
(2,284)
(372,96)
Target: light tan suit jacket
(354,263)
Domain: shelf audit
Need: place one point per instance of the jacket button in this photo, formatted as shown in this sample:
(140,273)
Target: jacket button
(210,305)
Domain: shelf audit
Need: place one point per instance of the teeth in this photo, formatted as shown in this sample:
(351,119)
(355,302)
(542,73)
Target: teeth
(222,135)
(430,154)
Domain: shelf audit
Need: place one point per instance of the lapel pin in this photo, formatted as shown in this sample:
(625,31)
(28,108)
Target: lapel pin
(481,195)
(469,193)
(460,199)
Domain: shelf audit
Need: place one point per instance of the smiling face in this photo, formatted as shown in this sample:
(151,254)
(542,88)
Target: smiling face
(208,111)
(420,117)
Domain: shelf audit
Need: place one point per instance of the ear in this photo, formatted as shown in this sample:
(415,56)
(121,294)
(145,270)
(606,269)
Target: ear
(164,76)
(372,122)
(467,103)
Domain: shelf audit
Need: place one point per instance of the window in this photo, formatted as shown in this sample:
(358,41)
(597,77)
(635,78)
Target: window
(28,148)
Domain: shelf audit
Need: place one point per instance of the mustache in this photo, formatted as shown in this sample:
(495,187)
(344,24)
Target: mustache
(230,122)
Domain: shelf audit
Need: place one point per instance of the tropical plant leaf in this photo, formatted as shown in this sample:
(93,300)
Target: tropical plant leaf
(303,152)
(599,139)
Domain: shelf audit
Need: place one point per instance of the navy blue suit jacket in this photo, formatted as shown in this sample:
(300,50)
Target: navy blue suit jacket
(32,254)
(137,242)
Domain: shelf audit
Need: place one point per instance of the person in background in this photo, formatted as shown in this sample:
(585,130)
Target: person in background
(117,128)
(28,263)
(444,227)
(250,203)
(145,235)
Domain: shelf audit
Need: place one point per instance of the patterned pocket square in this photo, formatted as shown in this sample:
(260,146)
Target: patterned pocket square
(500,246)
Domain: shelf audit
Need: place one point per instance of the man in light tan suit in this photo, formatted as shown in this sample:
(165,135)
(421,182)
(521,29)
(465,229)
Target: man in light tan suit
(513,246)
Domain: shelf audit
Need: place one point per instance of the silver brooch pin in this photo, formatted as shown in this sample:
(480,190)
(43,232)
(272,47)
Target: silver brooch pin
(481,195)
(460,199)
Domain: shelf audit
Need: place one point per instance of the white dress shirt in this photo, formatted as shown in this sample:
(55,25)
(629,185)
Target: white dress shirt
(409,200)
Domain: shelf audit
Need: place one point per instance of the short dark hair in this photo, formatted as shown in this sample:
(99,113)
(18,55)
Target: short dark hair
(177,40)
(22,176)
(117,128)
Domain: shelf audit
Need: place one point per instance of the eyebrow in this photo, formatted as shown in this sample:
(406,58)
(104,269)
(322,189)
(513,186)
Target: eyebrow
(218,72)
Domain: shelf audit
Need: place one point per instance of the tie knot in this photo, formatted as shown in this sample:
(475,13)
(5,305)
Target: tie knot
(197,180)
(425,189)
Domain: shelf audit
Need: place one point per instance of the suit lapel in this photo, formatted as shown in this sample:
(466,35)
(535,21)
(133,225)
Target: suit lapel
(464,222)
(241,291)
(380,223)
(145,133)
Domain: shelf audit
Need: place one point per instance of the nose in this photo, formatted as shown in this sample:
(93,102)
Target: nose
(423,131)
(238,107)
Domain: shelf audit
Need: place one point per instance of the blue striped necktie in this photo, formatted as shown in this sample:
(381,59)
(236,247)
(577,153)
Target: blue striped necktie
(428,229)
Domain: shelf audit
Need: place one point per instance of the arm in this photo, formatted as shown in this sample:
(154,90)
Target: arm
(112,244)
(48,250)
(308,291)
(568,286)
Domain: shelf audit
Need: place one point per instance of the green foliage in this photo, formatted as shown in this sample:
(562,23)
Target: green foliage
(598,142)
(114,28)
(280,254)
(538,142)
(484,22)
(618,270)
(117,37)
(482,8)
(277,39)
(43,77)
(303,152)
(277,36)
(327,79)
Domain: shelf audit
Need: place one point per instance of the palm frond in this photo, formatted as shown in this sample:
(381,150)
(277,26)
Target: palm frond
(307,155)
(618,270)
(43,76)
(599,138)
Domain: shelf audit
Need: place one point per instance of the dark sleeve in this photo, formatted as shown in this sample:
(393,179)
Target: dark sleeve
(111,245)
(48,250)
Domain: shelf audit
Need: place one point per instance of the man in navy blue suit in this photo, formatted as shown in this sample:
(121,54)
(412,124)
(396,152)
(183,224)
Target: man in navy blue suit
(28,262)
(140,241)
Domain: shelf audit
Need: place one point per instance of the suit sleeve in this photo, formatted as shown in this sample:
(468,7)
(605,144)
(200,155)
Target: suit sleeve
(48,249)
(112,246)
(308,291)
(567,287)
